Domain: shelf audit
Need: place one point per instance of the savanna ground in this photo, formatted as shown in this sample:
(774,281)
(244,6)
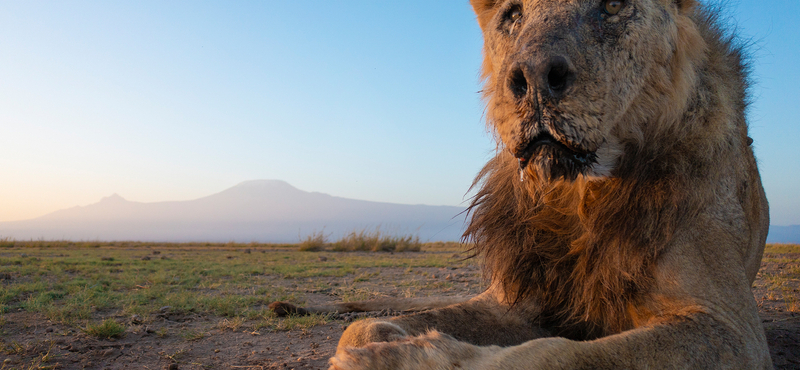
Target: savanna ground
(66,305)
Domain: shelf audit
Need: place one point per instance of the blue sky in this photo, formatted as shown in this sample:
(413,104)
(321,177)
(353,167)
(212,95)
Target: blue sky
(371,100)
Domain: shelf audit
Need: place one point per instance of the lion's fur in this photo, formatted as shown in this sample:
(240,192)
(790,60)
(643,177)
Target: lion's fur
(585,250)
(664,231)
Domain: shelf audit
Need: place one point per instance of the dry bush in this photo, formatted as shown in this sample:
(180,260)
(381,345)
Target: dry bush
(314,242)
(375,241)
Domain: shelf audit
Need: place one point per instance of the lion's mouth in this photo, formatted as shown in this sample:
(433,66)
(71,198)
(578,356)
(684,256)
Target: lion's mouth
(553,158)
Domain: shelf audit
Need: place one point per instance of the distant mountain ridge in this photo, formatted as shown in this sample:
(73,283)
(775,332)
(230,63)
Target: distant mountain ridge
(258,210)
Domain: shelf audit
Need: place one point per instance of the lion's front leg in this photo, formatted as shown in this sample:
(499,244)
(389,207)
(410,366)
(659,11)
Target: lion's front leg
(481,321)
(696,341)
(431,351)
(437,351)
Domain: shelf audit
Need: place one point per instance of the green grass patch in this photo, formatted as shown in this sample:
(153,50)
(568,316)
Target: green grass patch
(74,283)
(270,322)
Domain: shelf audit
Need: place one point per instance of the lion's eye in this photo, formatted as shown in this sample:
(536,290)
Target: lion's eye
(512,18)
(612,7)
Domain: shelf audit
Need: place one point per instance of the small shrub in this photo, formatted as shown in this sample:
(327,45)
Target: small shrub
(377,242)
(107,329)
(314,242)
(354,242)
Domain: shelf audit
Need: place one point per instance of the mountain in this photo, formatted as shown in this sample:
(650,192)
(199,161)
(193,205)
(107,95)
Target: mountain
(260,210)
(784,234)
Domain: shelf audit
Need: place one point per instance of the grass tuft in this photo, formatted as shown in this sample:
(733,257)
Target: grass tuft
(315,242)
(375,241)
(105,330)
(231,324)
(193,335)
(361,241)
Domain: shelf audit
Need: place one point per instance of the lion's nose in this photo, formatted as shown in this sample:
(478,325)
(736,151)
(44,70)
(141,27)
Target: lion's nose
(559,76)
(553,77)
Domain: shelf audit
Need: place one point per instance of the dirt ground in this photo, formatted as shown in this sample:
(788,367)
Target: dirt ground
(32,342)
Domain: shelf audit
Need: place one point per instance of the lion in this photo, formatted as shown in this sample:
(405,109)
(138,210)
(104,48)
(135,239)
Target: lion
(622,220)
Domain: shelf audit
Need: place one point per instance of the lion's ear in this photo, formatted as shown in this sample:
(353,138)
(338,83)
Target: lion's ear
(485,10)
(685,6)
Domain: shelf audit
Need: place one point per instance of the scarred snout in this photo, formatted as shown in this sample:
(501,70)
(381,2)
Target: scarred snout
(537,82)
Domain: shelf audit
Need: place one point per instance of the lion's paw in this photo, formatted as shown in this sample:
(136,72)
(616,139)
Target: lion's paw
(426,352)
(353,358)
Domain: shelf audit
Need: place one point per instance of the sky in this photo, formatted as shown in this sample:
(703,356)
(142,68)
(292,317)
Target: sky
(373,100)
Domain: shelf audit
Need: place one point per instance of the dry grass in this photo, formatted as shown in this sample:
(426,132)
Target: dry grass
(376,241)
(233,323)
(315,242)
(782,248)
(784,283)
(271,322)
(365,240)
(445,247)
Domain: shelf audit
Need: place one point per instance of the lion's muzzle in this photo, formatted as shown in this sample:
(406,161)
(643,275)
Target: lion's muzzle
(554,159)
(537,82)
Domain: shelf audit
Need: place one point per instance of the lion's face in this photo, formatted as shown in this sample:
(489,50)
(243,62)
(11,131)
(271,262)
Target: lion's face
(563,76)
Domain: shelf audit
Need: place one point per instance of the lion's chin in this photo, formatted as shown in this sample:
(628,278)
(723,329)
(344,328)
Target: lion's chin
(554,160)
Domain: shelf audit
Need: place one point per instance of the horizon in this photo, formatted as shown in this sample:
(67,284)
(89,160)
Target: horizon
(256,211)
(380,102)
(237,185)
(260,210)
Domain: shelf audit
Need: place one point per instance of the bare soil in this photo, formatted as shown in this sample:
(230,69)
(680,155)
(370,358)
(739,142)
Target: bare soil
(173,341)
(780,308)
